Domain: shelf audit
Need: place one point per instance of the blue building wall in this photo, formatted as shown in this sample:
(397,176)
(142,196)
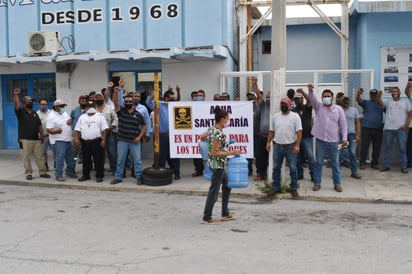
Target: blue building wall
(316,46)
(374,30)
(118,24)
(308,47)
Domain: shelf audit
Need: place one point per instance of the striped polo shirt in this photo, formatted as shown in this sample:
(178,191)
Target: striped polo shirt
(130,124)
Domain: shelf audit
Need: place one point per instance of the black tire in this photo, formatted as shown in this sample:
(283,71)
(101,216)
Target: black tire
(160,177)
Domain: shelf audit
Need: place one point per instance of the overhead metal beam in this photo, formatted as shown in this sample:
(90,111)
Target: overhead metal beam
(265,3)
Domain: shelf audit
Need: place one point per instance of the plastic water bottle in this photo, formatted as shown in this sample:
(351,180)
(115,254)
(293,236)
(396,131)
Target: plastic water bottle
(207,173)
(238,172)
(204,149)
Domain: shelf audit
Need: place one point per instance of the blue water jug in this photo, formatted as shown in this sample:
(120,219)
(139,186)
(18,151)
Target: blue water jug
(238,172)
(207,173)
(204,149)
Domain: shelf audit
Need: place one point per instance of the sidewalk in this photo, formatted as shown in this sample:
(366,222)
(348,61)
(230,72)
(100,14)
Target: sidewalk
(375,186)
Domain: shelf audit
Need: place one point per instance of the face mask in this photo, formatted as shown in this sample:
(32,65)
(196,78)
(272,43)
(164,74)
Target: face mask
(99,102)
(84,105)
(327,100)
(62,110)
(284,108)
(29,105)
(129,105)
(345,105)
(200,98)
(396,96)
(136,103)
(43,108)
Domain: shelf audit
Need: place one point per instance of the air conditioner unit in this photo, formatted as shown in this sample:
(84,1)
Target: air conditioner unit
(43,42)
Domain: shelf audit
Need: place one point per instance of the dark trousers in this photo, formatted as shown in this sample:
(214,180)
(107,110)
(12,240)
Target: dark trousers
(164,155)
(198,163)
(219,177)
(368,136)
(93,151)
(262,155)
(409,147)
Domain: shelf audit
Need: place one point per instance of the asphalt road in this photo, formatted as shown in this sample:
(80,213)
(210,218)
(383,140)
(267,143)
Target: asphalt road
(45,230)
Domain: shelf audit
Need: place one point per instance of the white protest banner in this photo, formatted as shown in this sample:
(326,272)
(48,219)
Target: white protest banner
(187,120)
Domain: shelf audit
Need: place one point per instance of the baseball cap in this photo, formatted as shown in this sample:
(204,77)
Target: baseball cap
(251,93)
(99,93)
(59,102)
(297,95)
(27,98)
(373,91)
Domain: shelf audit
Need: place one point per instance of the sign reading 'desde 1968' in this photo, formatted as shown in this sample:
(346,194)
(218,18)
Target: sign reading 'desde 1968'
(97,15)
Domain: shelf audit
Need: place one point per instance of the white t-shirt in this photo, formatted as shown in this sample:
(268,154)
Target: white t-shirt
(285,127)
(91,127)
(396,113)
(43,118)
(56,121)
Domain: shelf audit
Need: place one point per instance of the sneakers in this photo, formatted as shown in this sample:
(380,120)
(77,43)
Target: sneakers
(29,177)
(294,193)
(362,166)
(355,175)
(404,170)
(60,179)
(338,188)
(115,181)
(316,187)
(99,179)
(176,177)
(383,169)
(140,181)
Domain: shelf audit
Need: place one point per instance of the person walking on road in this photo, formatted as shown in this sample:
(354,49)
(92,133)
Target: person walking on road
(218,152)
(30,135)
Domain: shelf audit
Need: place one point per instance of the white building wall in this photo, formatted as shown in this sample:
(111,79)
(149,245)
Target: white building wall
(193,76)
(87,76)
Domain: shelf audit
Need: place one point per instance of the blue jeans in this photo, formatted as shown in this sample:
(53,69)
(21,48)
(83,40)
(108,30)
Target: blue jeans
(306,152)
(64,153)
(219,177)
(348,154)
(331,149)
(279,153)
(388,136)
(123,148)
(111,150)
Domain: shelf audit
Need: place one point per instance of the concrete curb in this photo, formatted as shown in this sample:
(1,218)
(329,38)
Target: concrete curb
(197,193)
